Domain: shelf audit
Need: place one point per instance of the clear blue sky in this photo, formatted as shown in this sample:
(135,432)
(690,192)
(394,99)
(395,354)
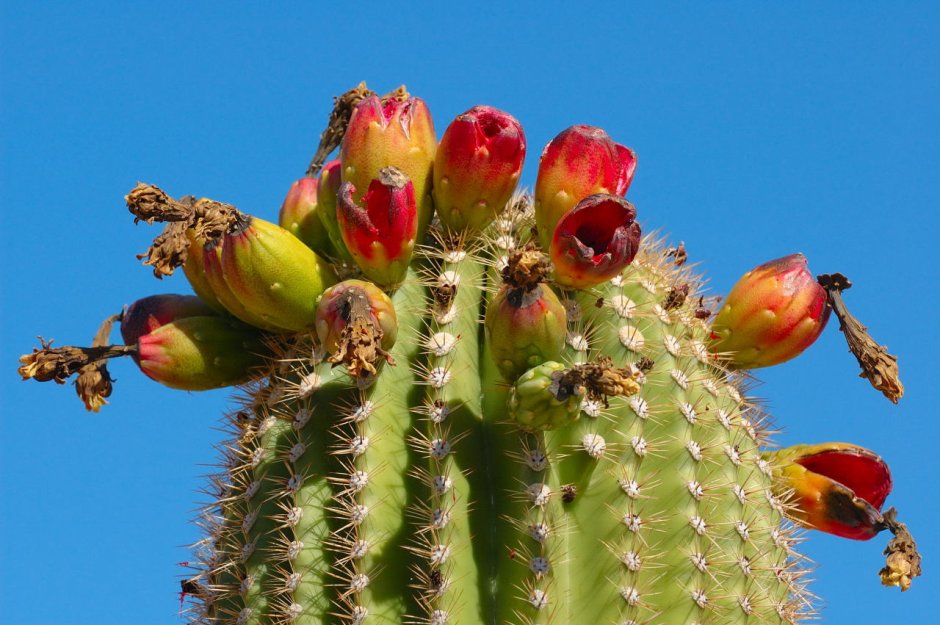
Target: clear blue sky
(760,130)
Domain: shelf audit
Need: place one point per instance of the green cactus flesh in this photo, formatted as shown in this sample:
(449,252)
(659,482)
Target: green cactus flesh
(412,497)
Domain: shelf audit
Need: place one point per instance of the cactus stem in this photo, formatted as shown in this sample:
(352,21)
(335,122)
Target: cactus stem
(208,218)
(878,366)
(58,364)
(903,560)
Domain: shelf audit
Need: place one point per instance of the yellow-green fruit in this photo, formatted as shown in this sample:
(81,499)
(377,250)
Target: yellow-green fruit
(195,271)
(273,274)
(212,263)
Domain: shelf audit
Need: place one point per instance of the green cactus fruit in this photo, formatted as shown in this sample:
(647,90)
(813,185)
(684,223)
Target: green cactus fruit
(201,353)
(551,396)
(537,401)
(525,322)
(212,269)
(300,215)
(273,274)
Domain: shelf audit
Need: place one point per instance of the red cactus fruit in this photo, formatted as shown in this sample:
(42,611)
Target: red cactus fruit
(580,161)
(380,234)
(477,167)
(594,241)
(836,488)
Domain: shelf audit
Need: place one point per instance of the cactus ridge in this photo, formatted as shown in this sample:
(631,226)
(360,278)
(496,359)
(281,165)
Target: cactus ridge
(411,497)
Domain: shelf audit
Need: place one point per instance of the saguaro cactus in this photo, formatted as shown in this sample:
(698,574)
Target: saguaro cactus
(527,419)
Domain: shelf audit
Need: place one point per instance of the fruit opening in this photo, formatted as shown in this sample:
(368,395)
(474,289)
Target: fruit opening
(863,472)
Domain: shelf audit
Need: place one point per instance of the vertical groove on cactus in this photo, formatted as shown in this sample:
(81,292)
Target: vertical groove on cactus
(446,422)
(306,583)
(385,418)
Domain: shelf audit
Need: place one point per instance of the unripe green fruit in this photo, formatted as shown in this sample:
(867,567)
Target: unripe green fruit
(525,328)
(536,404)
(201,353)
(212,264)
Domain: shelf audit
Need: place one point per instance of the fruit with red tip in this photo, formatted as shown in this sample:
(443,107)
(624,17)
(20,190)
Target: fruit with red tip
(477,167)
(149,313)
(380,229)
(838,488)
(391,132)
(772,314)
(594,241)
(581,161)
(201,353)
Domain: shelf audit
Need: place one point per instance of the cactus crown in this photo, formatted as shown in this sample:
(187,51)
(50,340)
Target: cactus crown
(492,426)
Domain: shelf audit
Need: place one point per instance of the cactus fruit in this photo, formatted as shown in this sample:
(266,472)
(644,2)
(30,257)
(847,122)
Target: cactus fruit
(380,234)
(580,161)
(356,324)
(837,488)
(273,274)
(525,321)
(477,167)
(147,314)
(201,353)
(772,314)
(395,130)
(327,190)
(594,241)
(465,439)
(301,215)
